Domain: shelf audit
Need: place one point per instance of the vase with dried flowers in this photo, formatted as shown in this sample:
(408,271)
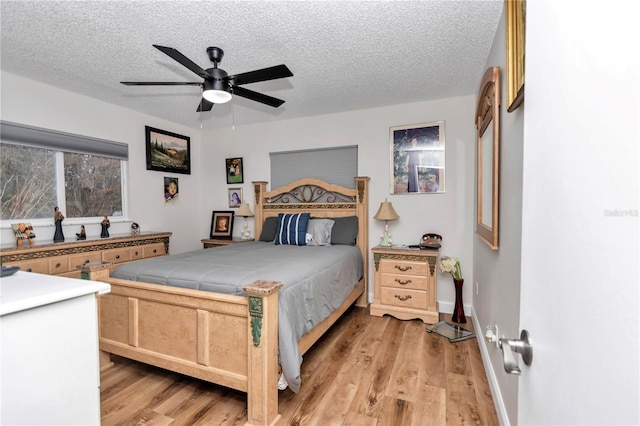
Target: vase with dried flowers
(451,265)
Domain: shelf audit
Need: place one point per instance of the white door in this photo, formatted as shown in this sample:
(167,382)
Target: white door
(579,290)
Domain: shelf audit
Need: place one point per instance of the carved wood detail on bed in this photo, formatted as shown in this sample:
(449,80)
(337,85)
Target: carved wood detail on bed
(213,336)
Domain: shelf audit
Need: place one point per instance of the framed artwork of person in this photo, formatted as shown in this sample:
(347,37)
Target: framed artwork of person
(417,158)
(235,197)
(222,225)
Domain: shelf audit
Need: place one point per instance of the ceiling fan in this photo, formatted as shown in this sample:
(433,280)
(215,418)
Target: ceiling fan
(218,86)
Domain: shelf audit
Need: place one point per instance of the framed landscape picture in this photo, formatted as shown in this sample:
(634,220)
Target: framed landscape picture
(167,151)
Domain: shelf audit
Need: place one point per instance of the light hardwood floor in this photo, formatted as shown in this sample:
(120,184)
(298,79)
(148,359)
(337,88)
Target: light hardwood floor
(365,371)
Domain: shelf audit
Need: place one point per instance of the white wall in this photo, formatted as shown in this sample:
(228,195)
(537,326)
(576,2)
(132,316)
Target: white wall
(32,103)
(498,271)
(449,214)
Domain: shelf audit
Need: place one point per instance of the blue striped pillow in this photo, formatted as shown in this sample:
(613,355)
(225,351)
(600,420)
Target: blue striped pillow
(292,229)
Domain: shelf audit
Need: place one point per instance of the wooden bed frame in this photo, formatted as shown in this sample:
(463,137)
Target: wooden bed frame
(225,339)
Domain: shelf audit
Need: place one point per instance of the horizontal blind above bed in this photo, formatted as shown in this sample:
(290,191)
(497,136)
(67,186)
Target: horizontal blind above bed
(20,134)
(337,165)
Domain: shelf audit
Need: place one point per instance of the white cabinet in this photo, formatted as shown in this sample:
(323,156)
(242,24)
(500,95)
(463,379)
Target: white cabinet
(50,372)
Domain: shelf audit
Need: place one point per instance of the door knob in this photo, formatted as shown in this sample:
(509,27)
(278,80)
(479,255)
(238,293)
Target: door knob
(522,346)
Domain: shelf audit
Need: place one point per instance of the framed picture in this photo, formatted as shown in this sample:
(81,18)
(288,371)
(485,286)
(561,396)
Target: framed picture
(235,171)
(235,197)
(171,189)
(168,152)
(417,158)
(222,225)
(515,35)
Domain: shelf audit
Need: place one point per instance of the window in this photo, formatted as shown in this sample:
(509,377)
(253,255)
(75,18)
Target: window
(40,173)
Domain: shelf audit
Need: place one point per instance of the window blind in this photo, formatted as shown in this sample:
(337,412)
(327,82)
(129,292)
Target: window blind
(337,165)
(20,134)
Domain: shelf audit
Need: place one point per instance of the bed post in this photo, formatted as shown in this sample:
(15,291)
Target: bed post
(259,187)
(362,208)
(262,357)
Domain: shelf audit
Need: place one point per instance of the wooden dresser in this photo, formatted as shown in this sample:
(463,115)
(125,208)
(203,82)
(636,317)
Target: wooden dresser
(63,258)
(405,283)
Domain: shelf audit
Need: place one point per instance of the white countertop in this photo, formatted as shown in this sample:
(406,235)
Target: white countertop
(26,290)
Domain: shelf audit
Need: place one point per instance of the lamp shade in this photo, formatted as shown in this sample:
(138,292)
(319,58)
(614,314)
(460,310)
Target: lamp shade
(244,210)
(386,212)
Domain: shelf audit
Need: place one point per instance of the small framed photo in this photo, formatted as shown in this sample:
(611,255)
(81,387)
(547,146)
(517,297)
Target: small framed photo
(168,152)
(417,158)
(235,171)
(235,197)
(222,225)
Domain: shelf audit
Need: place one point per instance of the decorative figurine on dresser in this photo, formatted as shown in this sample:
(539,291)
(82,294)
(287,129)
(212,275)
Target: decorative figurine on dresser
(135,229)
(82,235)
(58,236)
(105,227)
(405,282)
(23,231)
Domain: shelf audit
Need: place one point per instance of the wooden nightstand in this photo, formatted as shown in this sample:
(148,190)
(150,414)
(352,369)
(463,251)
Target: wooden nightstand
(405,283)
(213,242)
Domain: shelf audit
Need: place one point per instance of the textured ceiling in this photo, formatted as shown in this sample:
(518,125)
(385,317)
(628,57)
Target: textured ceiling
(344,55)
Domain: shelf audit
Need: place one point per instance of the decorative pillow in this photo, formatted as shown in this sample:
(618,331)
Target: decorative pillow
(345,230)
(292,229)
(269,229)
(319,232)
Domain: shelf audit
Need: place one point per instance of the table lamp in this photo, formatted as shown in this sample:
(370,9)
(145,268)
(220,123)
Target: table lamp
(245,212)
(386,213)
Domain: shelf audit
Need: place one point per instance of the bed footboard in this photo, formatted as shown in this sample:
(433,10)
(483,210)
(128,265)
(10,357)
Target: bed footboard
(224,339)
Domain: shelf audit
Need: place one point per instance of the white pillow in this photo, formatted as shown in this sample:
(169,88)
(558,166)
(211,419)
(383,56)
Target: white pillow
(319,232)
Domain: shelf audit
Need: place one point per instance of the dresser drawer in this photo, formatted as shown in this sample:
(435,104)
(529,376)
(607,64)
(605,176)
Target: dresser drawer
(80,259)
(414,282)
(137,252)
(117,255)
(392,266)
(58,265)
(404,298)
(153,250)
(40,266)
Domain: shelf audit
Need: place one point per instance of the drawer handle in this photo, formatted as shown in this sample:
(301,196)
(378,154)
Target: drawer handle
(86,261)
(403,268)
(136,253)
(29,270)
(117,256)
(155,250)
(58,265)
(403,298)
(403,282)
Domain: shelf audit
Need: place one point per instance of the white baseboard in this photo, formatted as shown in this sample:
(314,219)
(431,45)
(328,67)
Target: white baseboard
(501,411)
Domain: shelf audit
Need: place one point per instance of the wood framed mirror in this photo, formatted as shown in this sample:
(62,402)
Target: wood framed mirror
(488,154)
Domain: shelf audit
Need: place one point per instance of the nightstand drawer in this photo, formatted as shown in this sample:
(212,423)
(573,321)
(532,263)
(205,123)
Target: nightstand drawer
(40,266)
(405,298)
(393,266)
(414,282)
(137,253)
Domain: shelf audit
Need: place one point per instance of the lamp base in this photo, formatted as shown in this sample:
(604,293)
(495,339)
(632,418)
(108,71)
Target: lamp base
(386,239)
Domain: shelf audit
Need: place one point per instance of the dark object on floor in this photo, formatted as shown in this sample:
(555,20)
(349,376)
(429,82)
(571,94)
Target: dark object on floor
(9,270)
(453,332)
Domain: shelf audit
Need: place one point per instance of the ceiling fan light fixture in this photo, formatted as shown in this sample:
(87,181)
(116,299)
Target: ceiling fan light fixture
(214,91)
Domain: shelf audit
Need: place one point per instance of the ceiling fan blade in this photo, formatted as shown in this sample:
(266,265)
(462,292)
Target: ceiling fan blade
(271,73)
(179,57)
(158,83)
(204,105)
(258,97)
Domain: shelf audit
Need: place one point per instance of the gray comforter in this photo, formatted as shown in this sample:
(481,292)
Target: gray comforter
(316,281)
